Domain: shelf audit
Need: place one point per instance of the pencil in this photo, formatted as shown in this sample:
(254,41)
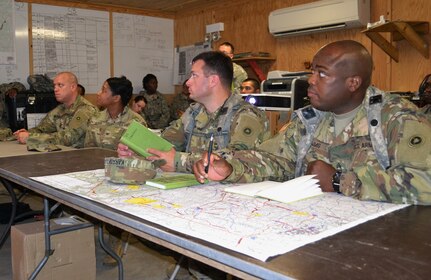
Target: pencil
(210,150)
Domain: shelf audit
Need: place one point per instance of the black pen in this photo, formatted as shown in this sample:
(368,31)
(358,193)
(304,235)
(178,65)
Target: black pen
(210,150)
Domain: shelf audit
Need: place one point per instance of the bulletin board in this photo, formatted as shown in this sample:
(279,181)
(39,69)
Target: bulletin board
(71,39)
(143,45)
(18,71)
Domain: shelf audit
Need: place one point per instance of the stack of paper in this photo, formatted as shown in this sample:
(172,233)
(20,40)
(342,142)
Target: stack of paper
(292,190)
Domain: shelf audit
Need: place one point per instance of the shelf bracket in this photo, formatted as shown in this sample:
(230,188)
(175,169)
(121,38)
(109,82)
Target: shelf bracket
(400,30)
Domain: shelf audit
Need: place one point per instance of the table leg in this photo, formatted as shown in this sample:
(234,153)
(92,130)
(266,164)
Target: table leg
(109,251)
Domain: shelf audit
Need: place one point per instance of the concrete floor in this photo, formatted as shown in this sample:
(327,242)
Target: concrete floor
(140,262)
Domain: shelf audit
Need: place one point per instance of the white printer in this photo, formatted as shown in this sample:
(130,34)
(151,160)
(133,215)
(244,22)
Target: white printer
(282,91)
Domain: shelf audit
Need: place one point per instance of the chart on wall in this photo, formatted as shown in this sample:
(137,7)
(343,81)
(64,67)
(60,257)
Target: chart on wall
(183,59)
(144,45)
(7,32)
(18,70)
(71,39)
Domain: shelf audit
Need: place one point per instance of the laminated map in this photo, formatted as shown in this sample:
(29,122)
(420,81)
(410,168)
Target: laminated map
(260,228)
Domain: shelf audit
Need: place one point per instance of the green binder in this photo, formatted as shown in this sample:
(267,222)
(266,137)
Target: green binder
(139,138)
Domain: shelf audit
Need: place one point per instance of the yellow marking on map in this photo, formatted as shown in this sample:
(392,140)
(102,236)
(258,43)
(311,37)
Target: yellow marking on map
(133,187)
(140,200)
(300,213)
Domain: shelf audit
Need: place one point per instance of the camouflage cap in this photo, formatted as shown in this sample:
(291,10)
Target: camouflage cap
(129,170)
(41,143)
(4,88)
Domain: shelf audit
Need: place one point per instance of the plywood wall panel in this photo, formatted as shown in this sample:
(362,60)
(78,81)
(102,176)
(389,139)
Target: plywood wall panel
(246,26)
(412,67)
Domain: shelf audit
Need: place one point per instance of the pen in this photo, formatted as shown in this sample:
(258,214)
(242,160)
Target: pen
(210,150)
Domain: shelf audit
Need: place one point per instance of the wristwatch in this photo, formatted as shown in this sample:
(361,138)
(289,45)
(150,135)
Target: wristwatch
(336,179)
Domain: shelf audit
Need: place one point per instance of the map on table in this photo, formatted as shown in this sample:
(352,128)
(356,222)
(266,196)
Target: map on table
(257,227)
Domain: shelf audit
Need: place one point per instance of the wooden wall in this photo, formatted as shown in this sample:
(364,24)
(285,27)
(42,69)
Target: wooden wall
(246,26)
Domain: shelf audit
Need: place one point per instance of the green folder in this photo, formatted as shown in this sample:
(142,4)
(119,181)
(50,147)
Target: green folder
(173,181)
(139,138)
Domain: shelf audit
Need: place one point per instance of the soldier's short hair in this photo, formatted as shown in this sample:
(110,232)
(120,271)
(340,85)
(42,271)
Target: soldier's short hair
(121,86)
(148,78)
(219,64)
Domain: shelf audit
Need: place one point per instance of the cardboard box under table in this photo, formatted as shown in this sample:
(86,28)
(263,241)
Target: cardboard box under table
(73,251)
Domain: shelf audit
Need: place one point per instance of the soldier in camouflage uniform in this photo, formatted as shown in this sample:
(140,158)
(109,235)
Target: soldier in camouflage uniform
(341,136)
(239,74)
(64,125)
(180,102)
(105,130)
(106,127)
(234,123)
(7,90)
(156,111)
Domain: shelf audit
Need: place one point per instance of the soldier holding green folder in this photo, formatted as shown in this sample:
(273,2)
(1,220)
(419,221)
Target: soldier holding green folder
(234,123)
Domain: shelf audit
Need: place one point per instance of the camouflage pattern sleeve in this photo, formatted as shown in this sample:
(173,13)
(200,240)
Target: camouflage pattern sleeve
(156,112)
(74,133)
(47,124)
(67,130)
(273,160)
(250,127)
(239,75)
(175,135)
(408,179)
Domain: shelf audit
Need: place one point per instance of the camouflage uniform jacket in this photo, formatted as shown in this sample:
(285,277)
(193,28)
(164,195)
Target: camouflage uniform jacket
(426,110)
(236,125)
(407,135)
(4,88)
(239,75)
(156,112)
(64,126)
(105,132)
(180,103)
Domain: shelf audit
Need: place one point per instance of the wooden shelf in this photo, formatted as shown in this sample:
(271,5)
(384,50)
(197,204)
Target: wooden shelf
(253,62)
(400,30)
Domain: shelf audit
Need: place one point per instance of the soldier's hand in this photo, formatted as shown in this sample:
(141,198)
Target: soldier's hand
(168,157)
(22,136)
(323,172)
(218,169)
(124,151)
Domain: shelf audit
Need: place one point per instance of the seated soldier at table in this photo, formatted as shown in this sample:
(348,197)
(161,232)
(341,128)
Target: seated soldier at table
(105,130)
(106,127)
(217,112)
(233,122)
(156,111)
(64,125)
(356,139)
(138,104)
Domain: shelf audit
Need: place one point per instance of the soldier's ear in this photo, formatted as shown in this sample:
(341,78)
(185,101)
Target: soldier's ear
(214,79)
(117,98)
(353,83)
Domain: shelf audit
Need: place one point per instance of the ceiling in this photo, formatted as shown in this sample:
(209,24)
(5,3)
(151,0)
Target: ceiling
(164,6)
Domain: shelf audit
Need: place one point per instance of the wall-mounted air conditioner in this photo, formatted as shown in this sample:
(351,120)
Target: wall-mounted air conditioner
(319,16)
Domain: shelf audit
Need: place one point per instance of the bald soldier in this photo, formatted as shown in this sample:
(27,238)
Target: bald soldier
(358,140)
(234,123)
(67,123)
